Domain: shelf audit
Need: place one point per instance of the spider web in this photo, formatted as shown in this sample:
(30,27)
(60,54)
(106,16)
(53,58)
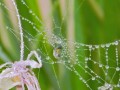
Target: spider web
(92,65)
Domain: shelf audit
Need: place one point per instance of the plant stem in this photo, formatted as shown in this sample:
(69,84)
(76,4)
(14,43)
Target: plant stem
(21,32)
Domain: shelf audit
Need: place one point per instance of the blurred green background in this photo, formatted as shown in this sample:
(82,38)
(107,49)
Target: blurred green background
(84,21)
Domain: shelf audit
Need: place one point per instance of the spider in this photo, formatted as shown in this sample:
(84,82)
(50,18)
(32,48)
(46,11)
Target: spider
(20,73)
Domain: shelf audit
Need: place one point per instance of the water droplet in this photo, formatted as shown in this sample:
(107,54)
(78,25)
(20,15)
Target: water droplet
(34,27)
(93,78)
(29,22)
(117,68)
(106,87)
(77,46)
(38,50)
(116,43)
(59,42)
(80,78)
(77,55)
(52,62)
(90,46)
(100,65)
(76,62)
(22,18)
(84,81)
(29,39)
(118,85)
(93,48)
(102,46)
(106,57)
(107,67)
(89,58)
(71,65)
(30,11)
(43,41)
(86,66)
(96,46)
(87,85)
(106,73)
(86,59)
(7,27)
(91,71)
(83,45)
(95,62)
(86,72)
(68,61)
(108,45)
(48,58)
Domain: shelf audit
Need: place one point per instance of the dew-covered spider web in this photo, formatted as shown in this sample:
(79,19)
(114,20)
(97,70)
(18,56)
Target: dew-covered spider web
(96,67)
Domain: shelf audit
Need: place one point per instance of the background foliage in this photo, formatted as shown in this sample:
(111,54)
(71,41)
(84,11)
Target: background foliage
(85,21)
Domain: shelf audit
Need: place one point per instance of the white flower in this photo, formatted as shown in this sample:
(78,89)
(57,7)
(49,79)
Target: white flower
(106,87)
(20,74)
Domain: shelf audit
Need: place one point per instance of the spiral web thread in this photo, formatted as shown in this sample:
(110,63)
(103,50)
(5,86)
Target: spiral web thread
(94,61)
